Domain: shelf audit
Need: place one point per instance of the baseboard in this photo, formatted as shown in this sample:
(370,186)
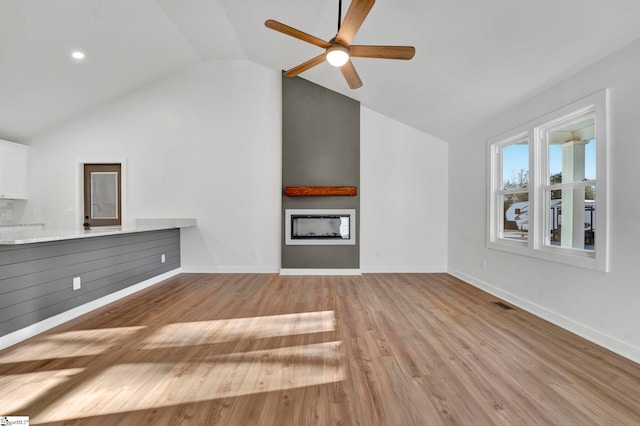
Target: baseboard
(595,336)
(44,325)
(304,271)
(230,270)
(313,271)
(375,269)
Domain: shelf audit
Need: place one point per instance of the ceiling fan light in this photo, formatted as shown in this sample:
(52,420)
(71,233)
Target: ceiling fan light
(337,55)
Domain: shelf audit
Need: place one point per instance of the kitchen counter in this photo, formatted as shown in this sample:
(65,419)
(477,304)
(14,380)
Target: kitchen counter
(21,225)
(18,235)
(49,276)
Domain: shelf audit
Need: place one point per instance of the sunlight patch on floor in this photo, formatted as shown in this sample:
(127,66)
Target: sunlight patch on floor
(68,344)
(227,330)
(19,390)
(129,387)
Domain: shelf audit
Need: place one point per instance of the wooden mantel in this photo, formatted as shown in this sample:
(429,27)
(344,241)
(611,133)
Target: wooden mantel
(321,191)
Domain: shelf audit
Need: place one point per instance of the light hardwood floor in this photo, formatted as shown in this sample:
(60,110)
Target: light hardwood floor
(381,349)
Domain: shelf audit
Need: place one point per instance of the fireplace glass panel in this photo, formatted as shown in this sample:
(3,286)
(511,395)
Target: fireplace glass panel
(320,227)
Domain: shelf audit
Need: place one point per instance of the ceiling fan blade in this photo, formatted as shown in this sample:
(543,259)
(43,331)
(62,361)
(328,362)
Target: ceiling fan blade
(303,67)
(290,31)
(382,52)
(358,11)
(351,75)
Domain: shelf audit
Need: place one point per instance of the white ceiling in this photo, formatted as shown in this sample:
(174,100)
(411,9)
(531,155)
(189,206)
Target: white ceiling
(474,59)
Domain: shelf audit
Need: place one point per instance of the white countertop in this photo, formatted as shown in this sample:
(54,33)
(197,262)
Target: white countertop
(16,235)
(16,225)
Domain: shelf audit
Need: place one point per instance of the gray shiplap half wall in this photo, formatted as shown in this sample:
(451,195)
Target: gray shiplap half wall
(36,280)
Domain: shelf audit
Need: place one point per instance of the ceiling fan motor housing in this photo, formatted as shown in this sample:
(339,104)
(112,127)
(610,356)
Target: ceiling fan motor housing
(337,55)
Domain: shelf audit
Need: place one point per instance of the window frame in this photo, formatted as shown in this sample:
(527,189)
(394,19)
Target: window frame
(88,171)
(498,192)
(535,131)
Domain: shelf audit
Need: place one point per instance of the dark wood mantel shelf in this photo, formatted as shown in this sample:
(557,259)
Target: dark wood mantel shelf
(320,191)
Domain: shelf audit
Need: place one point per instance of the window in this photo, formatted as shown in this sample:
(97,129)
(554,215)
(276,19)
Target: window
(102,199)
(568,190)
(548,186)
(513,191)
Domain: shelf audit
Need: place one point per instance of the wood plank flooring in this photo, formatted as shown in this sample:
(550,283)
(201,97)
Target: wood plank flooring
(261,349)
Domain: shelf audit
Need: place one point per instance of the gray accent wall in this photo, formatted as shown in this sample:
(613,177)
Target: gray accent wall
(320,147)
(36,280)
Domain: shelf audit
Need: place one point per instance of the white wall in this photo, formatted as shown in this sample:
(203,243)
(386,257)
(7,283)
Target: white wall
(403,197)
(604,307)
(204,142)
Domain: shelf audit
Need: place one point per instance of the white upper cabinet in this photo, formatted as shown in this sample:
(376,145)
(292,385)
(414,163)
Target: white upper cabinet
(14,170)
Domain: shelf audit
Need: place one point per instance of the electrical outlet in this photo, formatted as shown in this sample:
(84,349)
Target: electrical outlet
(162,258)
(484,264)
(77,283)
(254,254)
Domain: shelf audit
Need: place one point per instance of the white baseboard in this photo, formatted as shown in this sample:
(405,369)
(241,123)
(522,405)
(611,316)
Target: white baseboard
(230,270)
(374,269)
(595,336)
(304,271)
(44,325)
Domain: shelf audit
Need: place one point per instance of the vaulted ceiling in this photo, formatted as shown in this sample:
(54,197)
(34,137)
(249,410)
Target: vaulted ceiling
(474,59)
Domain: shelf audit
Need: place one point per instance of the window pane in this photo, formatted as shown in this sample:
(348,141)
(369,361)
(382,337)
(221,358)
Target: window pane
(572,151)
(515,224)
(515,165)
(104,195)
(572,217)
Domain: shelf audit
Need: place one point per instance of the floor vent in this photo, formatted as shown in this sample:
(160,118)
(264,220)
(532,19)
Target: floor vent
(503,306)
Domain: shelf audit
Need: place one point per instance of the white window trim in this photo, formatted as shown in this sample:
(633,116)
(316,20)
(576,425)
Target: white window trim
(533,130)
(495,185)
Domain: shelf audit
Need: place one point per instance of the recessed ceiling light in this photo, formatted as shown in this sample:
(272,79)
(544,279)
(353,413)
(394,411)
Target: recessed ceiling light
(78,55)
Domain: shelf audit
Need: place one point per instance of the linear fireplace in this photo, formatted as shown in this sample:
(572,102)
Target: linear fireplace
(320,227)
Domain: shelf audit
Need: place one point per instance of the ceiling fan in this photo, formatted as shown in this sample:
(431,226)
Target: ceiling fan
(339,49)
